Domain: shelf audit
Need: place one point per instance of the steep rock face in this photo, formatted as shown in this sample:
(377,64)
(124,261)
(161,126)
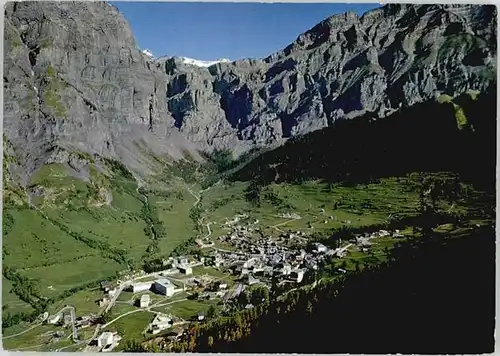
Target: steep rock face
(345,66)
(75,80)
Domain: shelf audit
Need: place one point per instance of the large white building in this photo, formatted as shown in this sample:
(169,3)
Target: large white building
(140,287)
(164,286)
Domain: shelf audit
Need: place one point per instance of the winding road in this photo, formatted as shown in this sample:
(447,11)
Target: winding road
(281,224)
(159,304)
(209,231)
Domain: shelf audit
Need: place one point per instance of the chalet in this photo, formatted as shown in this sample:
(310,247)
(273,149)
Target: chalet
(84,324)
(250,280)
(54,319)
(107,340)
(320,248)
(67,320)
(160,323)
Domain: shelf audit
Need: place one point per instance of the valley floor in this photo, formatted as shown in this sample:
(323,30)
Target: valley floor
(59,255)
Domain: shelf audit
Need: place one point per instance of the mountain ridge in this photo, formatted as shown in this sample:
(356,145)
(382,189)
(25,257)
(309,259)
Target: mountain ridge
(91,89)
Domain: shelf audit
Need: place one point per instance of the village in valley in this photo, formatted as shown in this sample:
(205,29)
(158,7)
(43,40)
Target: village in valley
(197,287)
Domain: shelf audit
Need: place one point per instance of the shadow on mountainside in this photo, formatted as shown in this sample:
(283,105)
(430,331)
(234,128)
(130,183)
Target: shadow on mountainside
(424,137)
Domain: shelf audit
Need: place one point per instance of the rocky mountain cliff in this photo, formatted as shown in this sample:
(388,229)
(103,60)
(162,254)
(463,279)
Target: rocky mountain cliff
(74,80)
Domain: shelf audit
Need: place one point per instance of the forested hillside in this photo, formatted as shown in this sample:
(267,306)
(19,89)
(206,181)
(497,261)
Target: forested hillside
(447,135)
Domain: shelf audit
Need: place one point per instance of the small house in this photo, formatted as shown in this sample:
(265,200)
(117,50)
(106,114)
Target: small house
(286,269)
(297,275)
(160,323)
(54,319)
(106,338)
(251,280)
(102,302)
(320,248)
(67,320)
(84,324)
(144,302)
(200,316)
(187,270)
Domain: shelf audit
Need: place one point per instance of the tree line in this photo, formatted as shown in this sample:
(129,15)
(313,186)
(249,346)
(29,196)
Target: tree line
(107,251)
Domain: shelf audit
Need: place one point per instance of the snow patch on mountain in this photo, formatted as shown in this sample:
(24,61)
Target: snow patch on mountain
(148,53)
(200,63)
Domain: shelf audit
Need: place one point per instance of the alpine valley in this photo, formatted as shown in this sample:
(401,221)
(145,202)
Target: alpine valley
(347,179)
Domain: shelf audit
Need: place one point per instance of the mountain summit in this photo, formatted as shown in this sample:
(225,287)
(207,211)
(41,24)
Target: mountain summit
(75,80)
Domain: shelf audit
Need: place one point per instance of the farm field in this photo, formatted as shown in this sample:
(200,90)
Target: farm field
(173,213)
(38,336)
(186,309)
(119,228)
(33,241)
(58,278)
(131,326)
(315,202)
(11,302)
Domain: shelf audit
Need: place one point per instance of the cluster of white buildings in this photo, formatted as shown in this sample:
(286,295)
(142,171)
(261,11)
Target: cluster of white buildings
(259,258)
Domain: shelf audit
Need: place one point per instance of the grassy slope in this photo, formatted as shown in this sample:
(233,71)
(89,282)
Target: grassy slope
(11,302)
(221,201)
(308,200)
(70,263)
(41,251)
(131,327)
